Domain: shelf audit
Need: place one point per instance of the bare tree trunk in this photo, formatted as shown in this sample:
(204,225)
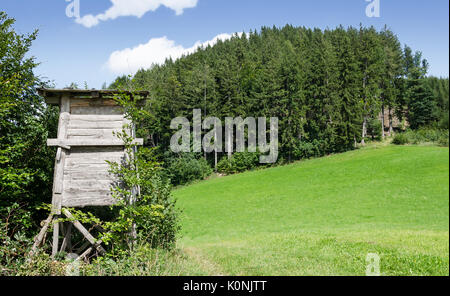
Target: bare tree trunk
(364,127)
(290,148)
(391,128)
(364,131)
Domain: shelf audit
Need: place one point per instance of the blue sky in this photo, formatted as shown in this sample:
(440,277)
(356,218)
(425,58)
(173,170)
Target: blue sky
(120,34)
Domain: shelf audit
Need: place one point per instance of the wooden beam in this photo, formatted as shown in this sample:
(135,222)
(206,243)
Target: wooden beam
(83,230)
(85,253)
(55,238)
(58,177)
(90,142)
(38,239)
(67,238)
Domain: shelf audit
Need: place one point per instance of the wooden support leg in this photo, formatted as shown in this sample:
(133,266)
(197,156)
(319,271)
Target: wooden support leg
(62,229)
(55,237)
(84,231)
(41,235)
(66,243)
(69,238)
(85,253)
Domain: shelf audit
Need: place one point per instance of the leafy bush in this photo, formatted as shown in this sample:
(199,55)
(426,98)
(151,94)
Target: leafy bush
(423,135)
(42,265)
(184,168)
(443,140)
(239,162)
(26,163)
(307,149)
(146,210)
(400,139)
(142,261)
(13,249)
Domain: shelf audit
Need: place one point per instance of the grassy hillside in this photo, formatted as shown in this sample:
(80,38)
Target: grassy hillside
(322,216)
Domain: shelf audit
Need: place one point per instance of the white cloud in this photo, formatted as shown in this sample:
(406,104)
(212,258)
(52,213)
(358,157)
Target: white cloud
(134,8)
(156,51)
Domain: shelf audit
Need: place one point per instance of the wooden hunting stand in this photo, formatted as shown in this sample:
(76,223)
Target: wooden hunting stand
(87,121)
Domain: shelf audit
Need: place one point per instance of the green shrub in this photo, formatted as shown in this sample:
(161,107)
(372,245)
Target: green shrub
(42,264)
(400,139)
(423,135)
(184,168)
(239,162)
(307,149)
(13,249)
(142,261)
(150,212)
(443,140)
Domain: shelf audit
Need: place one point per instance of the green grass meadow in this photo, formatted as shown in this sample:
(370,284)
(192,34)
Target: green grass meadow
(323,216)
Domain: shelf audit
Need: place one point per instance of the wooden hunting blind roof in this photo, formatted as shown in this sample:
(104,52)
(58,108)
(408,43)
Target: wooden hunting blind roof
(52,96)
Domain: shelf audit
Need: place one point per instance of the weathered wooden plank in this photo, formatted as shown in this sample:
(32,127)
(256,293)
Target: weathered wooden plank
(87,184)
(97,110)
(40,236)
(87,124)
(87,166)
(90,142)
(106,155)
(92,159)
(96,117)
(111,156)
(95,166)
(61,154)
(55,238)
(83,175)
(87,195)
(75,203)
(88,203)
(92,134)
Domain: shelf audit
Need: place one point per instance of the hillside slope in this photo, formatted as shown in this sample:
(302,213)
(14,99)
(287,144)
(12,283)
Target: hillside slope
(323,216)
